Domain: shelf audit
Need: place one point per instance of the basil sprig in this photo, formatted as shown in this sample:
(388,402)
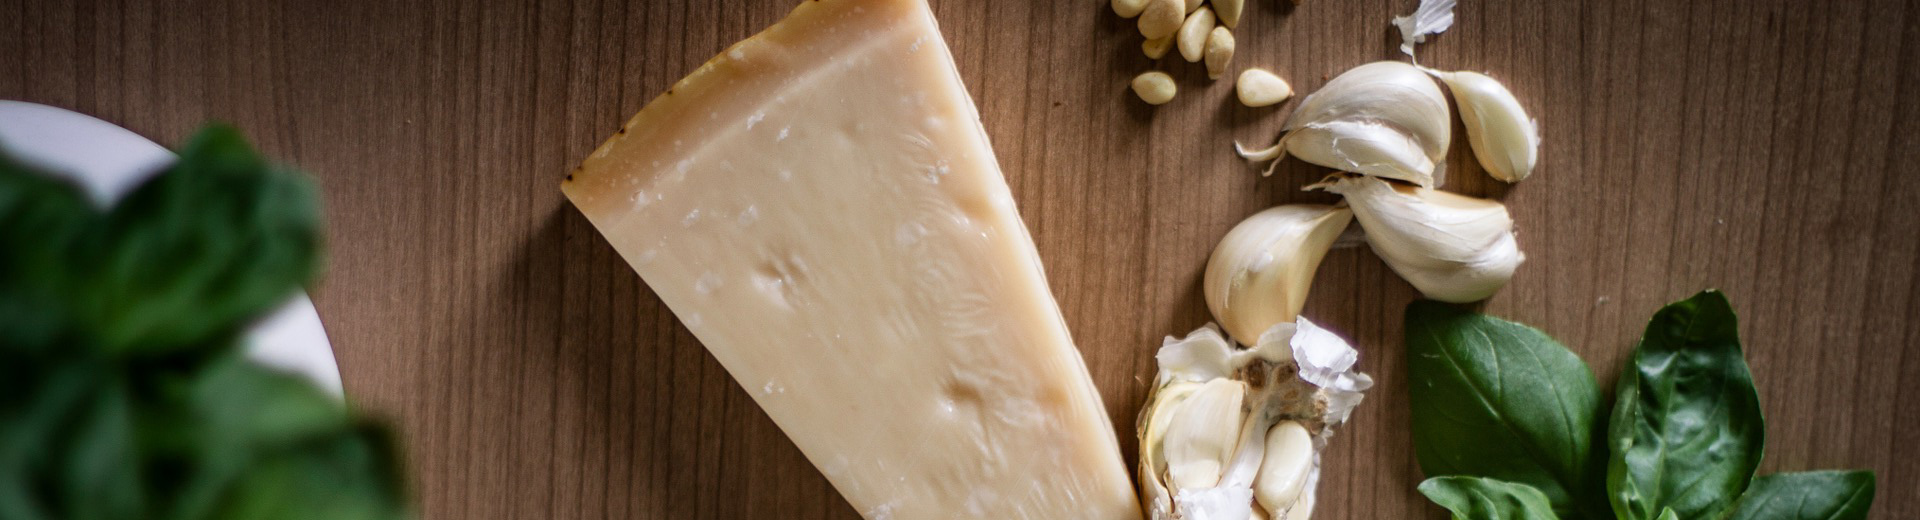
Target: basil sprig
(1508,424)
(123,394)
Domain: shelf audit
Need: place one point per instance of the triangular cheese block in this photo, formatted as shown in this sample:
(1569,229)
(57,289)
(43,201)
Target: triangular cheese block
(819,205)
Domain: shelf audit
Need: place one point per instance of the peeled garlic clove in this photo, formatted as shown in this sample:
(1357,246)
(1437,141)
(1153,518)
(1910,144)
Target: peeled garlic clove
(1203,434)
(1260,273)
(1260,87)
(1129,8)
(1503,138)
(1284,470)
(1154,419)
(1303,509)
(1386,117)
(1192,38)
(1453,248)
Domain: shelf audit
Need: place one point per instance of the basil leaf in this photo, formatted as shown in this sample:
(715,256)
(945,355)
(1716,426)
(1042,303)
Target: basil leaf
(1494,398)
(1668,514)
(270,445)
(1822,495)
(1475,498)
(101,477)
(1686,431)
(43,221)
(122,392)
(344,476)
(195,253)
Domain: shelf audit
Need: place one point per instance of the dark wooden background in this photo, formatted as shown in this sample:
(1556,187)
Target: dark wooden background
(1768,148)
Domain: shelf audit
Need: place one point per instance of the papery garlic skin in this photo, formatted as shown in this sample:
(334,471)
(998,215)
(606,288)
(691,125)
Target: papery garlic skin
(1453,248)
(1505,140)
(1260,273)
(1386,118)
(1432,17)
(1297,376)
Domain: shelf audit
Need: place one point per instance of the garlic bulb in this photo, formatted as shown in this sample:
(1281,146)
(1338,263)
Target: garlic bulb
(1386,119)
(1503,138)
(1259,274)
(1453,248)
(1286,394)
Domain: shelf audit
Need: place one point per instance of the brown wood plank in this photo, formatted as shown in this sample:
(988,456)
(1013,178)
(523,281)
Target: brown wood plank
(1764,147)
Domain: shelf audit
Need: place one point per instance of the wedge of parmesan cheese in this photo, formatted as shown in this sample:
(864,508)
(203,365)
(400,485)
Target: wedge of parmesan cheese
(819,205)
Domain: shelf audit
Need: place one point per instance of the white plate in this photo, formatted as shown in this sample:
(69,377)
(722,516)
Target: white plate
(107,161)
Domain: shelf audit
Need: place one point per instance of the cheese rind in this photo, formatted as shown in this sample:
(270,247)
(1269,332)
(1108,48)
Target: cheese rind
(821,208)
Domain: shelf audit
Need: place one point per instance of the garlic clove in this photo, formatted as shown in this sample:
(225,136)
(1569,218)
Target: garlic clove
(1393,110)
(1203,433)
(1387,91)
(1152,426)
(1260,273)
(1303,509)
(1453,248)
(1284,470)
(1367,147)
(1503,138)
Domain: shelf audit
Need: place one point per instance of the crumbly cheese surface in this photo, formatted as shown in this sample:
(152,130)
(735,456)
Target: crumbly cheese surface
(820,206)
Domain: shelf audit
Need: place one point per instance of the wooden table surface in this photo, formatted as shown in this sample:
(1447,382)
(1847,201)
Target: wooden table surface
(1764,147)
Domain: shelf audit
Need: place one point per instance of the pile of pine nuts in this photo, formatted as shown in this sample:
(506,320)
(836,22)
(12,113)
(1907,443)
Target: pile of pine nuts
(1202,30)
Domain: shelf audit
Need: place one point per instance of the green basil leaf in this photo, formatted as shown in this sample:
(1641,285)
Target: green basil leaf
(101,477)
(1497,399)
(1476,498)
(37,429)
(194,254)
(1668,514)
(348,475)
(1686,431)
(43,222)
(1812,495)
(253,423)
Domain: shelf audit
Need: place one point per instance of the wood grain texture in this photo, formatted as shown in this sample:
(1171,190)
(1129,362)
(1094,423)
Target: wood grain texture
(1763,147)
